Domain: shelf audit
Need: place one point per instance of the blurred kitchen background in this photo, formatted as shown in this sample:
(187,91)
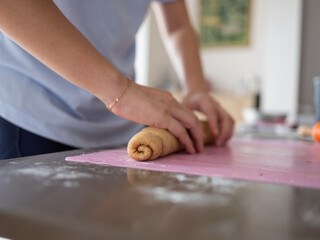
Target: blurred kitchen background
(270,69)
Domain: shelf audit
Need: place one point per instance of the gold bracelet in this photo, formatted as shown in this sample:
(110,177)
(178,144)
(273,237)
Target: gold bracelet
(121,94)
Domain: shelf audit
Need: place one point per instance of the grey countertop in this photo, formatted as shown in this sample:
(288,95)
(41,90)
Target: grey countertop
(45,197)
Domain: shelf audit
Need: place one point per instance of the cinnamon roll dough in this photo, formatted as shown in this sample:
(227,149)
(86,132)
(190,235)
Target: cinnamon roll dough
(151,143)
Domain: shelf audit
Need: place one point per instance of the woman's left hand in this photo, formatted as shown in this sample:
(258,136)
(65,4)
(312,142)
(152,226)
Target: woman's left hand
(220,122)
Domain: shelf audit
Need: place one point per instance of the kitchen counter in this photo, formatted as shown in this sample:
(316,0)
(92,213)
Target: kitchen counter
(45,197)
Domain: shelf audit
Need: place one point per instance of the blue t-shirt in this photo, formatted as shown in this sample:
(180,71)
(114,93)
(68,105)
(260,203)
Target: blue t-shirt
(39,100)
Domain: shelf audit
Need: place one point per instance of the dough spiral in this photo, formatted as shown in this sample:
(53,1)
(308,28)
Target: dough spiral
(151,143)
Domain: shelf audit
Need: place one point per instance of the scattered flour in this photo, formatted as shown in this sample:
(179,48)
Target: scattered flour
(71,184)
(37,172)
(194,198)
(311,217)
(67,173)
(181,177)
(71,175)
(196,190)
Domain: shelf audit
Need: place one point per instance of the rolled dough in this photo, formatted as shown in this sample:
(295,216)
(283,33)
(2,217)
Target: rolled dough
(152,143)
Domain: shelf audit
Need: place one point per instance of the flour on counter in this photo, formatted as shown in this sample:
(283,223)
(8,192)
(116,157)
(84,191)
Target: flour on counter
(66,173)
(71,184)
(194,190)
(71,175)
(36,172)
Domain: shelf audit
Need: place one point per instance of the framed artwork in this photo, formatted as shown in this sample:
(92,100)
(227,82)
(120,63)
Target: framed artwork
(224,22)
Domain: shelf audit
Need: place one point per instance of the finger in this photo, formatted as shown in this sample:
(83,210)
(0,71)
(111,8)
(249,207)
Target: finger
(190,122)
(210,111)
(188,119)
(226,128)
(180,132)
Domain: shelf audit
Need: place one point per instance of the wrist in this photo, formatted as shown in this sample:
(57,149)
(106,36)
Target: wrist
(192,87)
(114,101)
(109,88)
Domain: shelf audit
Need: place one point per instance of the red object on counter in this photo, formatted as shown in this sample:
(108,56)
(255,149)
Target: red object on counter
(316,132)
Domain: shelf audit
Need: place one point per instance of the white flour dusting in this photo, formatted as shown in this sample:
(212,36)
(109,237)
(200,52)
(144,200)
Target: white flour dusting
(71,184)
(37,172)
(311,216)
(71,175)
(67,173)
(194,198)
(195,190)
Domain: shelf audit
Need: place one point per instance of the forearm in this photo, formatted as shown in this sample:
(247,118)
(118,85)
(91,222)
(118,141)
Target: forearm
(181,43)
(41,29)
(185,55)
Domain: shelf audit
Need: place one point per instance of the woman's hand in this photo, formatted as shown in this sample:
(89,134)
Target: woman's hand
(220,122)
(159,108)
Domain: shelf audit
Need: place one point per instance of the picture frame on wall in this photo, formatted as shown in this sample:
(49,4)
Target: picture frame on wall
(224,23)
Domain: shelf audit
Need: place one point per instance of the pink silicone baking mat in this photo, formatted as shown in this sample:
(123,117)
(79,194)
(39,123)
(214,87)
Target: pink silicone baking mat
(273,161)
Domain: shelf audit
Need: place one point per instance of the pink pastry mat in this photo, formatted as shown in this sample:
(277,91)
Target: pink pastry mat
(273,161)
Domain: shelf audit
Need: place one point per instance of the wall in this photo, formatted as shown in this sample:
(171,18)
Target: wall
(272,56)
(226,66)
(310,57)
(281,66)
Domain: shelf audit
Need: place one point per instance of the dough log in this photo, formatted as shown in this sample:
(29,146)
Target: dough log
(151,143)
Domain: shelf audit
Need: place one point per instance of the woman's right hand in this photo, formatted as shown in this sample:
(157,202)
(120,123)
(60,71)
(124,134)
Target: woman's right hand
(158,108)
